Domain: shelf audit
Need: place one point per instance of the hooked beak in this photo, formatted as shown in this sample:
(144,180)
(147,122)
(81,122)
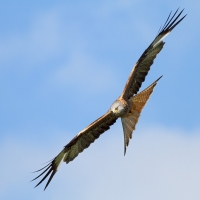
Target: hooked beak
(115,111)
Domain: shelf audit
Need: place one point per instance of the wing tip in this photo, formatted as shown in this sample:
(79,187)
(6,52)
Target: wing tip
(172,22)
(49,169)
(50,178)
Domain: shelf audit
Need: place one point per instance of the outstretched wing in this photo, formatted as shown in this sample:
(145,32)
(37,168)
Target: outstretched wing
(137,103)
(144,63)
(77,145)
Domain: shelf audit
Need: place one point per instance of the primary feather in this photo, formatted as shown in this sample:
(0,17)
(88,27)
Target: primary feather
(127,106)
(144,63)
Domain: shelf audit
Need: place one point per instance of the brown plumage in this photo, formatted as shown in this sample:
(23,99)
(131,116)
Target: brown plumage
(78,144)
(144,63)
(127,107)
(137,103)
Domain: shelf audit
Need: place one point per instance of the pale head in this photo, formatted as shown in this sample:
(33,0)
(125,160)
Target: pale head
(120,108)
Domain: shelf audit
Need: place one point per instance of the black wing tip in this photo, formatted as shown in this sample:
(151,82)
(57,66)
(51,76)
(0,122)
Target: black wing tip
(172,22)
(42,168)
(47,170)
(49,180)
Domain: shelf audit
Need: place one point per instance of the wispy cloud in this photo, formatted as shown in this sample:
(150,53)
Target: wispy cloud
(76,45)
(160,164)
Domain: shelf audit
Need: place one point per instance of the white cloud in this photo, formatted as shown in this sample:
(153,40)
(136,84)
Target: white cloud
(160,164)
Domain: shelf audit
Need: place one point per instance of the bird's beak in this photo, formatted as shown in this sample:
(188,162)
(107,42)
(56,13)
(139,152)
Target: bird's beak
(115,111)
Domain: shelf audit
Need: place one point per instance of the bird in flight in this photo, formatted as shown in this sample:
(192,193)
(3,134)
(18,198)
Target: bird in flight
(127,107)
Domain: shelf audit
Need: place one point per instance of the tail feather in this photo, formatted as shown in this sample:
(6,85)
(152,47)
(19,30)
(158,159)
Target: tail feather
(137,103)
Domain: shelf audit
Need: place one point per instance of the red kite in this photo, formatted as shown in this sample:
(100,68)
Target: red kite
(127,107)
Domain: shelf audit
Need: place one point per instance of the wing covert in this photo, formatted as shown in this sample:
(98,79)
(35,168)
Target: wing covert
(144,63)
(88,135)
(80,142)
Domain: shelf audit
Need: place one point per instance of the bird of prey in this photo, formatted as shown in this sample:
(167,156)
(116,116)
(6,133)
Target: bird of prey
(127,107)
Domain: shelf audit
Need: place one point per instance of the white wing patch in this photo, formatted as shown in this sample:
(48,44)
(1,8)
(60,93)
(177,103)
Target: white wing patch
(59,158)
(160,39)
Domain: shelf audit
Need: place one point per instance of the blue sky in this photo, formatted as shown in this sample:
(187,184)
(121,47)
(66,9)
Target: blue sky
(62,64)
